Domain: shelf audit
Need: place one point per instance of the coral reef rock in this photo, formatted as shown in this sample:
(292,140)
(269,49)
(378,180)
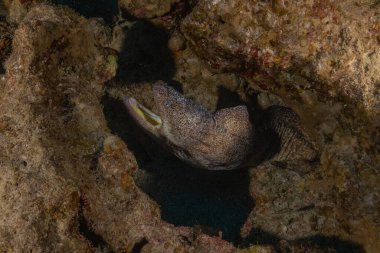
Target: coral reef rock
(321,41)
(72,174)
(323,62)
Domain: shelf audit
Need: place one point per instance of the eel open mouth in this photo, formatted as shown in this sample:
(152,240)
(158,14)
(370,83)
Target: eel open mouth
(142,114)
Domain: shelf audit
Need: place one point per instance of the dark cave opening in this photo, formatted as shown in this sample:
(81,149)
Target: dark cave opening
(105,9)
(210,200)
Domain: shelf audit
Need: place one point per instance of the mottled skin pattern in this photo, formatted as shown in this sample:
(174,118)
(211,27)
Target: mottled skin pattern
(293,144)
(213,141)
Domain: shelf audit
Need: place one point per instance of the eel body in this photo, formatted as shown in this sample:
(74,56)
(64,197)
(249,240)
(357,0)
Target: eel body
(213,141)
(225,139)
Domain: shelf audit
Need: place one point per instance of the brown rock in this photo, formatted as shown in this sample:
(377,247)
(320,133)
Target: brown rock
(318,58)
(320,41)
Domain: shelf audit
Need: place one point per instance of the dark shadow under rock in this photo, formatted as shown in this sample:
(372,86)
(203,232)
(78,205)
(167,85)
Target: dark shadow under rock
(145,56)
(260,237)
(6,36)
(313,244)
(106,9)
(85,230)
(210,200)
(320,244)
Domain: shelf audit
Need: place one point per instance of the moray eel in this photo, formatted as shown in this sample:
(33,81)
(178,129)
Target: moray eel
(223,140)
(212,141)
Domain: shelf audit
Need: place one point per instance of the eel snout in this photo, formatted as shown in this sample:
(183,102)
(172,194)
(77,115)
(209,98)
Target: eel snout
(147,119)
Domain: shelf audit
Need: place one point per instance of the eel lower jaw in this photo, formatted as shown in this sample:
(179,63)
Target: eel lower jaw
(144,117)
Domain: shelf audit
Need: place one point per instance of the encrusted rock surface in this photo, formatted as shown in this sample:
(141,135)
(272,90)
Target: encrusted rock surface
(69,184)
(323,62)
(17,9)
(321,41)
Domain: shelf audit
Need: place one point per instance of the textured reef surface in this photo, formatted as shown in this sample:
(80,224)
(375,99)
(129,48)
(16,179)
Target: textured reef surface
(77,174)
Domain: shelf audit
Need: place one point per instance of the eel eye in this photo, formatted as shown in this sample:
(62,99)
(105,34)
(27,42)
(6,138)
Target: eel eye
(143,112)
